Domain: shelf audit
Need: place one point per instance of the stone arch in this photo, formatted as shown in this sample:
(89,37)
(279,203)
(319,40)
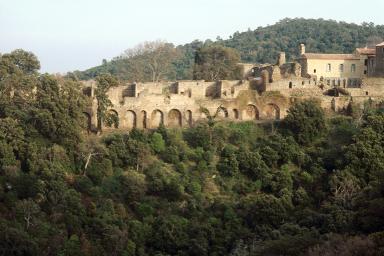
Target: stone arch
(189,117)
(157,118)
(272,112)
(235,113)
(144,119)
(174,118)
(251,112)
(112,119)
(130,119)
(222,112)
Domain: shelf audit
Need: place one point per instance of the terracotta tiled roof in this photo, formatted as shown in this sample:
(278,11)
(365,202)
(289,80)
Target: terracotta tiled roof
(366,51)
(381,44)
(323,56)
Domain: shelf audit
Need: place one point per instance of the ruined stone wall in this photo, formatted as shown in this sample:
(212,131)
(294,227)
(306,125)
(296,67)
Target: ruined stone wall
(178,104)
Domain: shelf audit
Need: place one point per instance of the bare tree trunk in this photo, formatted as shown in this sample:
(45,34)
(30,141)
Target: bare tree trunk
(88,161)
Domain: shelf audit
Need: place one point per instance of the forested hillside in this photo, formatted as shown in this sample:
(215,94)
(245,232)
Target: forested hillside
(309,185)
(262,45)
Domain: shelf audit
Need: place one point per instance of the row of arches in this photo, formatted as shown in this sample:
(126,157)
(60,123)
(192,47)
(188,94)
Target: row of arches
(176,118)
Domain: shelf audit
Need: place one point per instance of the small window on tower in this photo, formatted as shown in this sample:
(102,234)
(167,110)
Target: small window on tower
(314,71)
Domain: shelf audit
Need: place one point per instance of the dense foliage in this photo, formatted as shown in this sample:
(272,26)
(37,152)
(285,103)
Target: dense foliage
(310,185)
(261,45)
(216,62)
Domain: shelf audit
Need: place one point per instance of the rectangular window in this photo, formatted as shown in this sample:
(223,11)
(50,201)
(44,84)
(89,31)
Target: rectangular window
(328,67)
(341,68)
(353,68)
(366,62)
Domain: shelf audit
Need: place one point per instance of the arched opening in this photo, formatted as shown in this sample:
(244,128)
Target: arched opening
(130,119)
(157,118)
(290,85)
(272,112)
(251,112)
(222,112)
(111,119)
(235,113)
(174,118)
(144,119)
(189,117)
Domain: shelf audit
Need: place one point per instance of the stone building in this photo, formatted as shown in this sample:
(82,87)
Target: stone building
(379,60)
(180,104)
(265,94)
(343,69)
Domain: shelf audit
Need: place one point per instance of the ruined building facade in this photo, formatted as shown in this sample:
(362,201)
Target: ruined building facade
(266,92)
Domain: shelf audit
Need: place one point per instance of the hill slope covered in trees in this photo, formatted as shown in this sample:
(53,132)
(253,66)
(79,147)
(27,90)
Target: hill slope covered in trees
(262,45)
(309,185)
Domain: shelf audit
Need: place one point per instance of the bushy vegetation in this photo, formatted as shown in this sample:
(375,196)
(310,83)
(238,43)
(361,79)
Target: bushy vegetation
(310,185)
(261,45)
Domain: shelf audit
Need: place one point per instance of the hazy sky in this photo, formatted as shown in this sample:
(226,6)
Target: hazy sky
(77,34)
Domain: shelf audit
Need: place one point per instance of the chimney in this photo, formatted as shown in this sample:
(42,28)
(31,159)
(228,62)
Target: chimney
(302,49)
(281,59)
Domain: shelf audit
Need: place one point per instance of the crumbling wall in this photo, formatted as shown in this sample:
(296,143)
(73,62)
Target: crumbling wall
(178,104)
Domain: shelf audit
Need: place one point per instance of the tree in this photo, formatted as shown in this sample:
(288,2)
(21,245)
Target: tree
(104,83)
(306,121)
(211,120)
(228,164)
(151,61)
(157,142)
(28,210)
(18,77)
(89,149)
(27,62)
(216,63)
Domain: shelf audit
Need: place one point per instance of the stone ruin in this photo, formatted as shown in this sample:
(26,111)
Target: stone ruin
(265,94)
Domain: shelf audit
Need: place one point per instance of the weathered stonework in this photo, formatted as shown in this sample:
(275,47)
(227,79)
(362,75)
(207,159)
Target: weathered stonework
(265,95)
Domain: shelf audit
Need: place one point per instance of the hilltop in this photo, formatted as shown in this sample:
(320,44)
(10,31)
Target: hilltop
(263,44)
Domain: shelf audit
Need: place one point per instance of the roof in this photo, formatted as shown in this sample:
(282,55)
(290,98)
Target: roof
(381,44)
(366,51)
(323,56)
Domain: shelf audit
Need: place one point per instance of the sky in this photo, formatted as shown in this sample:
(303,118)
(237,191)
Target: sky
(69,35)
